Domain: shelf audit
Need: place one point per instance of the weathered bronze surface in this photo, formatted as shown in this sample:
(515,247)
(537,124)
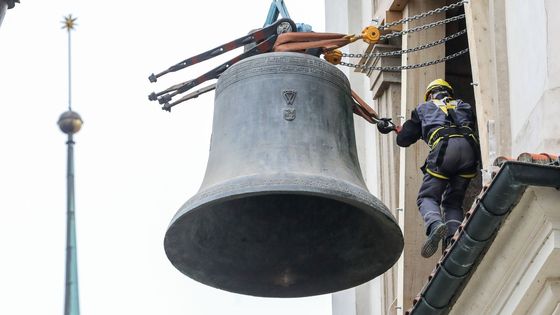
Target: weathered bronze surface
(283,210)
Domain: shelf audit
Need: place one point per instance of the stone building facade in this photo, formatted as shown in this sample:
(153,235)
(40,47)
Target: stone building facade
(511,76)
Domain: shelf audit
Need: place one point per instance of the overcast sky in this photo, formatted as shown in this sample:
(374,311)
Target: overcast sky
(135,164)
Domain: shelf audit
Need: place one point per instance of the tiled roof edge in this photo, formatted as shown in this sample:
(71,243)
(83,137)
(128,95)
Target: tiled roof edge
(477,231)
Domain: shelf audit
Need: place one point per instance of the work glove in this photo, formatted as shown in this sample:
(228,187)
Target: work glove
(385,126)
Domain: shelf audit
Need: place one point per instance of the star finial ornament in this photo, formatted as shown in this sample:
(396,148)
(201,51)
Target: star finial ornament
(69,22)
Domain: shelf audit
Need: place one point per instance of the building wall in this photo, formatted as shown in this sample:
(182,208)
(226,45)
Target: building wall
(416,269)
(519,273)
(516,71)
(486,26)
(516,80)
(396,176)
(350,16)
(534,68)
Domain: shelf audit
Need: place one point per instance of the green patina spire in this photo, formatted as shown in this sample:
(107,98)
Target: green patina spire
(70,123)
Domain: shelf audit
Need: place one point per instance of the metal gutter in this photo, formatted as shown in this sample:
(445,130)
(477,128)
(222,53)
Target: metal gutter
(477,232)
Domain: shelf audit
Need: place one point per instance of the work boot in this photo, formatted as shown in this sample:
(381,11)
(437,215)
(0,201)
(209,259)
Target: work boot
(438,231)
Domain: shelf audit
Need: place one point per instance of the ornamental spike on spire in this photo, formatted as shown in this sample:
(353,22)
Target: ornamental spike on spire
(69,23)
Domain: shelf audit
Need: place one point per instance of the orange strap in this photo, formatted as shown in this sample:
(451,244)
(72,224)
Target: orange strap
(305,40)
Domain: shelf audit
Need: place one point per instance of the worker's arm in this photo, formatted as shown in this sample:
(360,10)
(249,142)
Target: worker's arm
(470,114)
(472,118)
(410,131)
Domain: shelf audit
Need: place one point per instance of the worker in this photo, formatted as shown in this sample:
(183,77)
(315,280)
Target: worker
(447,126)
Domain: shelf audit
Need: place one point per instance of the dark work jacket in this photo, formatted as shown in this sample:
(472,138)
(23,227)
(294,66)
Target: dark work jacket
(431,115)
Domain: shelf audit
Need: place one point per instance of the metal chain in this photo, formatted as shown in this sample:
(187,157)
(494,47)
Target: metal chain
(406,51)
(407,67)
(422,27)
(422,15)
(421,47)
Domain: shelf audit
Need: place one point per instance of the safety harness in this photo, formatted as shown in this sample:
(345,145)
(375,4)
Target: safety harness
(444,133)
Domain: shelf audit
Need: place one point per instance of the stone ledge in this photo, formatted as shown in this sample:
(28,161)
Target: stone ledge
(380,80)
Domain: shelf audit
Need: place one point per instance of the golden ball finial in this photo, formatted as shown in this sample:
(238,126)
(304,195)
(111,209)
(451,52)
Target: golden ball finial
(69,22)
(70,122)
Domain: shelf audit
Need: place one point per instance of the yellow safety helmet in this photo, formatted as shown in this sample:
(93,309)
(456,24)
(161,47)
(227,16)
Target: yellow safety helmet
(437,83)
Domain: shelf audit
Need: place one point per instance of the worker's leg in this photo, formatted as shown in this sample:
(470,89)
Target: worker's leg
(459,158)
(429,200)
(452,203)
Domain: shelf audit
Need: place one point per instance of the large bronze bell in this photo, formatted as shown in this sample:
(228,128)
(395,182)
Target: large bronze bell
(283,210)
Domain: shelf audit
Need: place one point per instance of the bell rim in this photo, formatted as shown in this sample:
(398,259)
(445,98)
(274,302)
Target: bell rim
(367,208)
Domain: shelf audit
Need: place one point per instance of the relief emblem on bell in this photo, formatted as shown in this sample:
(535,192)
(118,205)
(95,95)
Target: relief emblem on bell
(289,114)
(283,209)
(289,96)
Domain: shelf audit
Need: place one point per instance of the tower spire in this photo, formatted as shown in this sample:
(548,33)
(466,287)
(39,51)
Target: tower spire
(70,123)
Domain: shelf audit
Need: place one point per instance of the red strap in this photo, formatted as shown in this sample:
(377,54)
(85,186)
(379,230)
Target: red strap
(363,109)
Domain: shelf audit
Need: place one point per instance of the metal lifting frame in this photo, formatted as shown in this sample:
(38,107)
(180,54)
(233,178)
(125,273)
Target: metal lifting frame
(277,7)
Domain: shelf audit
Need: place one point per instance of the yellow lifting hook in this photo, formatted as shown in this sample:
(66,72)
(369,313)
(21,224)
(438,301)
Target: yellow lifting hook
(371,34)
(333,56)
